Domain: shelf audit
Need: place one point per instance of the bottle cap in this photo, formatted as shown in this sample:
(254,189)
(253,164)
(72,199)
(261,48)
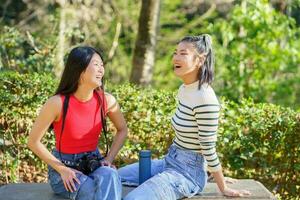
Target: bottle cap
(145,153)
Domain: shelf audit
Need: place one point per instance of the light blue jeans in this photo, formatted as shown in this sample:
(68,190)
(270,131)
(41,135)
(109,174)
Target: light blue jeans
(181,173)
(104,183)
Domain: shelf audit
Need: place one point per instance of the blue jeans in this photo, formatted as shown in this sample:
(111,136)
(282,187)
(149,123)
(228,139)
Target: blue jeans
(181,173)
(103,183)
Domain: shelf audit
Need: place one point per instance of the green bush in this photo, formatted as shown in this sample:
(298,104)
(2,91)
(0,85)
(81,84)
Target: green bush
(24,54)
(257,54)
(256,50)
(259,141)
(20,99)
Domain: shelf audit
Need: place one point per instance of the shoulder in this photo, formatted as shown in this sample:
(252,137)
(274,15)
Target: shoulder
(53,106)
(206,95)
(54,102)
(111,101)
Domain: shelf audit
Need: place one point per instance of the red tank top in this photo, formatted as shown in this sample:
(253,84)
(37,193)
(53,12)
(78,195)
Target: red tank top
(82,125)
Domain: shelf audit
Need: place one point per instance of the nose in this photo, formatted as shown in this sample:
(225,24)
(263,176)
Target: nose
(174,58)
(101,68)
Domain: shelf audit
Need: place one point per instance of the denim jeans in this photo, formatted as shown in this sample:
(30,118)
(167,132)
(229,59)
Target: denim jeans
(103,183)
(181,173)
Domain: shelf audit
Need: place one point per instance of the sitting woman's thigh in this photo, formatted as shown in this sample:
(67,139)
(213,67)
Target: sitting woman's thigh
(168,185)
(84,190)
(130,173)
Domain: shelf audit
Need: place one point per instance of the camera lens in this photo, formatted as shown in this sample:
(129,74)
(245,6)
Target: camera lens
(93,165)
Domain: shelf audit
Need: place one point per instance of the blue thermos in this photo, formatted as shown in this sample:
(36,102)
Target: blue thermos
(144,165)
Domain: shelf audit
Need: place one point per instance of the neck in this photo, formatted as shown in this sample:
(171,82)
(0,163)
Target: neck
(83,93)
(189,78)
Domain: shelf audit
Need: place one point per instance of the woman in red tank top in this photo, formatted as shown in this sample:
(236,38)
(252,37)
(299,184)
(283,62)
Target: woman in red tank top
(77,113)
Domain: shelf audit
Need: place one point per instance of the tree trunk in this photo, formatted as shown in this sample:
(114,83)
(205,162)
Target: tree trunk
(59,58)
(144,51)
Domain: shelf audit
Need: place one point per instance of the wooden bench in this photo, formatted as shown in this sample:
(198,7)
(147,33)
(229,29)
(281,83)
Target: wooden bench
(42,191)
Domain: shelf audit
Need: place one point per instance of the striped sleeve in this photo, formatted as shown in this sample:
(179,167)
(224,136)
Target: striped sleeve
(207,120)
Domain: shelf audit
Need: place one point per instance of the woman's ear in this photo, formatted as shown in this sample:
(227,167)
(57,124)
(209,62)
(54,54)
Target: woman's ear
(81,79)
(200,60)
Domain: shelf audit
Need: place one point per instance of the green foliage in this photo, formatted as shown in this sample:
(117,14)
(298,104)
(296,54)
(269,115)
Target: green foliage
(146,112)
(256,50)
(257,47)
(259,141)
(21,96)
(258,55)
(20,53)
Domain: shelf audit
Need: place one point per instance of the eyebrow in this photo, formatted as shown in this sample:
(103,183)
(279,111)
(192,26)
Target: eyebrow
(97,61)
(182,50)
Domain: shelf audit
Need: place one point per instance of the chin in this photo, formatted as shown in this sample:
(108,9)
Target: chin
(96,84)
(177,74)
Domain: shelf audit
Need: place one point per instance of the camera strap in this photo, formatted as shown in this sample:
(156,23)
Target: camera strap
(65,110)
(102,117)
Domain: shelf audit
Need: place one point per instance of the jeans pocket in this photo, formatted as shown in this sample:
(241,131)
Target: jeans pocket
(53,176)
(57,185)
(186,188)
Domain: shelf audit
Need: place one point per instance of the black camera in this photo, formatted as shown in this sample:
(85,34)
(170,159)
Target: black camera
(88,164)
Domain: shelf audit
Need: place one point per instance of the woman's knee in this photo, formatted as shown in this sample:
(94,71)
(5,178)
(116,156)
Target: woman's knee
(107,172)
(86,189)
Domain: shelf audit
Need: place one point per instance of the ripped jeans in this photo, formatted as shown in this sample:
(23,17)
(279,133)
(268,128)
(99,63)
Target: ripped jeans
(181,173)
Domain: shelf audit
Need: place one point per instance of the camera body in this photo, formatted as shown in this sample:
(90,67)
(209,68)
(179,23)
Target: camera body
(88,164)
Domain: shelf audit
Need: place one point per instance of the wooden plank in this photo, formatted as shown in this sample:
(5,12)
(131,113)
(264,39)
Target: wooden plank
(42,191)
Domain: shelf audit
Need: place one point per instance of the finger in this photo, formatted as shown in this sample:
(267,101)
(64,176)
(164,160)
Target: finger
(73,185)
(77,171)
(235,193)
(66,186)
(69,186)
(77,180)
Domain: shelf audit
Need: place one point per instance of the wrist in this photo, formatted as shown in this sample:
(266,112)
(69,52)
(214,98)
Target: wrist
(60,168)
(109,159)
(223,188)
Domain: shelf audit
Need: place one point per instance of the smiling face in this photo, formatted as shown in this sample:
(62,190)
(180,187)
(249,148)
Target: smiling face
(186,62)
(94,72)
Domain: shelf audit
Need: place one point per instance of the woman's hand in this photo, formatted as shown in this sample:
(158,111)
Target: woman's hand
(107,163)
(68,176)
(235,193)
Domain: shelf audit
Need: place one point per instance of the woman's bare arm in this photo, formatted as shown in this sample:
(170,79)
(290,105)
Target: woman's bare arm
(117,118)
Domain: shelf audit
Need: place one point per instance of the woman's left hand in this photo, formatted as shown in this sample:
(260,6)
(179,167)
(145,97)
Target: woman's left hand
(235,193)
(107,163)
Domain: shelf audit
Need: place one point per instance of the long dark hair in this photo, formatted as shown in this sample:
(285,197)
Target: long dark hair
(77,62)
(203,45)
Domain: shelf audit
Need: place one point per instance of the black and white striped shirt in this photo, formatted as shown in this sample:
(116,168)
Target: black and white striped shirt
(196,122)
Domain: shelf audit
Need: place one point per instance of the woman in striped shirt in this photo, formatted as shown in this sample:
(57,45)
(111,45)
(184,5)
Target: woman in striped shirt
(182,173)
